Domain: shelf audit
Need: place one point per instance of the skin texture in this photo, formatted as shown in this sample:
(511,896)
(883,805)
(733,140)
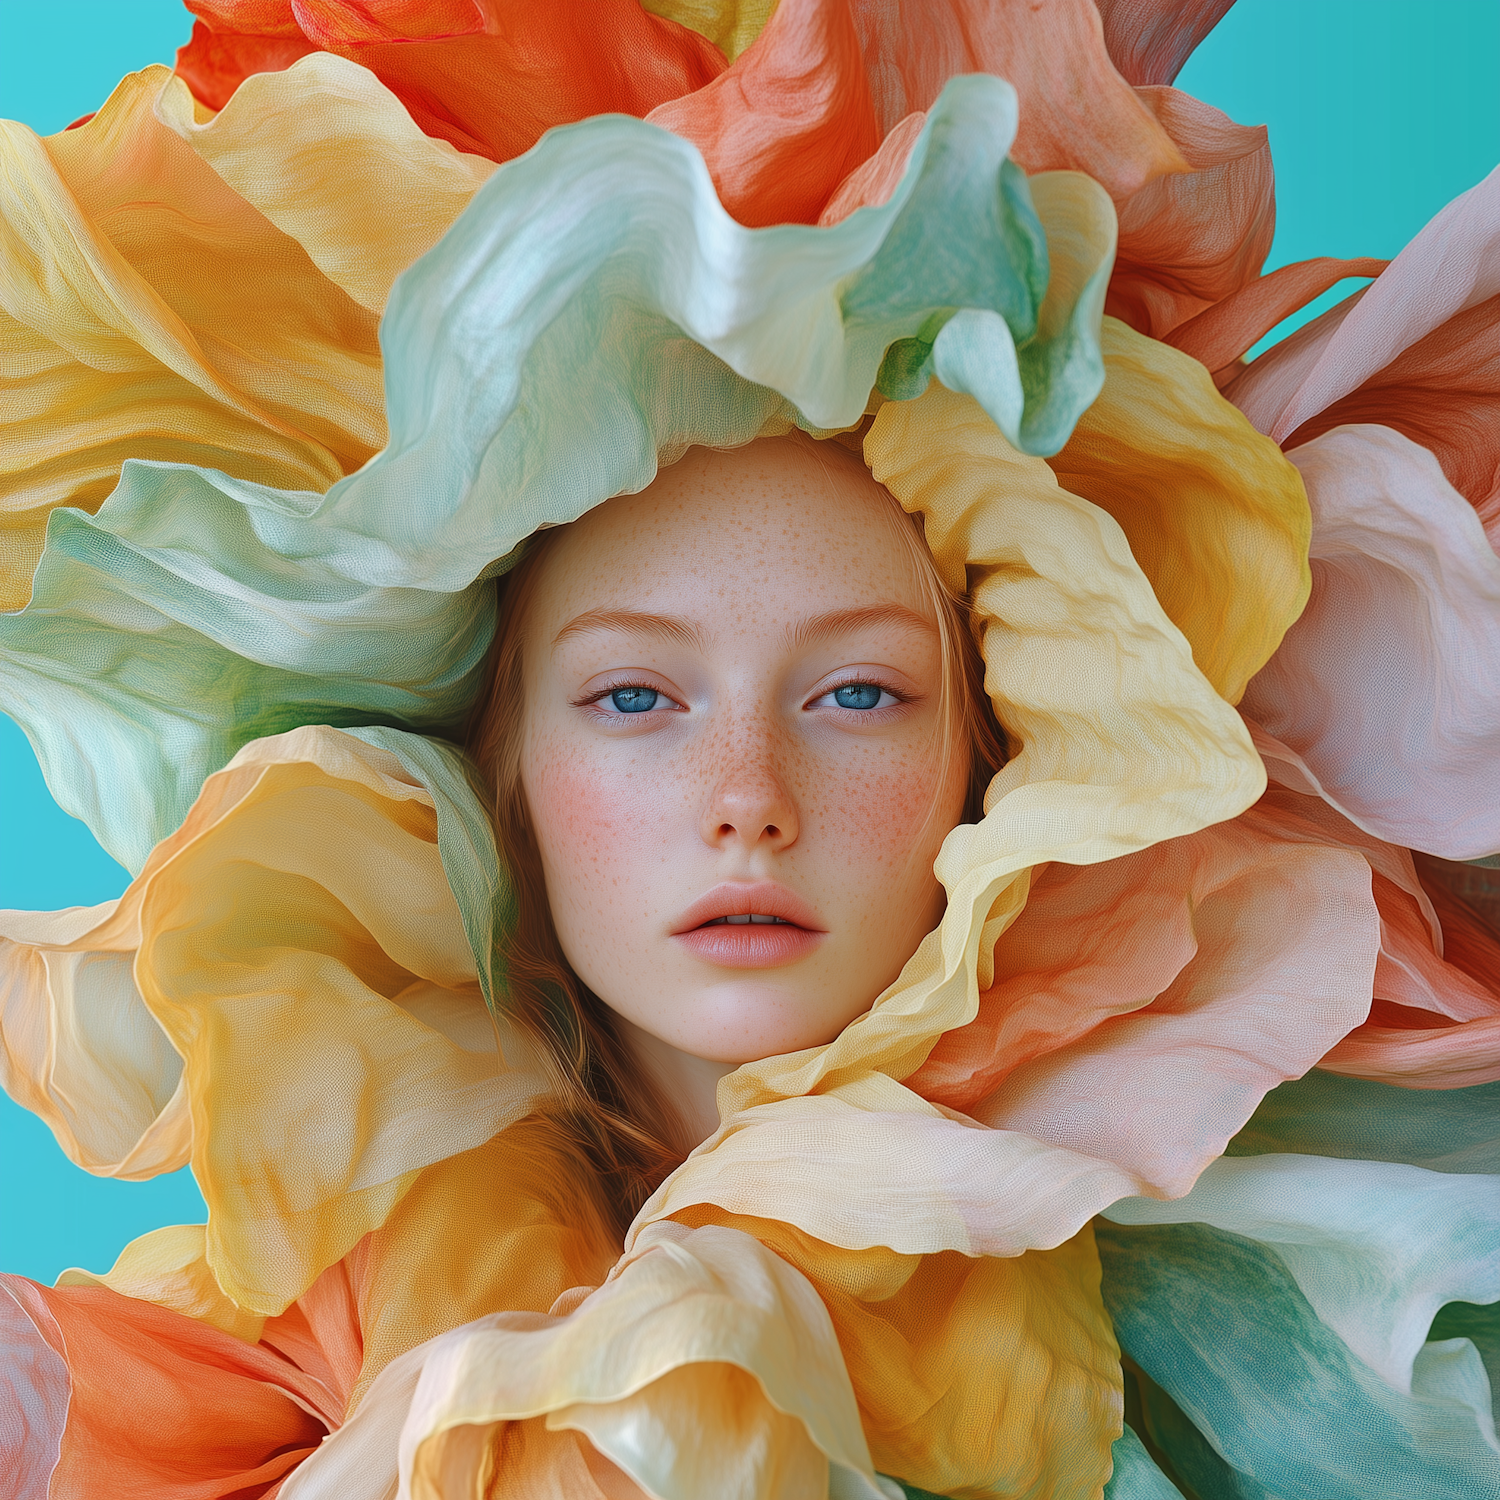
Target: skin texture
(779,574)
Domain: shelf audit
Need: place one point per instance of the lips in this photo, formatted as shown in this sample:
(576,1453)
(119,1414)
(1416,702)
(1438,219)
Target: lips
(739,925)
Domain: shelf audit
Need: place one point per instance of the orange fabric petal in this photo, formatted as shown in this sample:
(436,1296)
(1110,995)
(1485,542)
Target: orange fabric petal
(348,23)
(491,90)
(1149,40)
(214,63)
(782,127)
(162,1407)
(1220,334)
(1190,239)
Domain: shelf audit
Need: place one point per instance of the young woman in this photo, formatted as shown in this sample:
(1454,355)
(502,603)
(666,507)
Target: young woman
(705,918)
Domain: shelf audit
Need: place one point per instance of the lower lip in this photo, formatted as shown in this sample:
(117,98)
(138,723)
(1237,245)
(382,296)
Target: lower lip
(751,945)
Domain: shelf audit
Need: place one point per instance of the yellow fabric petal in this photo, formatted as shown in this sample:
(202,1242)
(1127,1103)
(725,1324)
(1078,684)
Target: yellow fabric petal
(704,1365)
(297,946)
(1215,514)
(974,1376)
(731,25)
(169,1267)
(331,157)
(147,311)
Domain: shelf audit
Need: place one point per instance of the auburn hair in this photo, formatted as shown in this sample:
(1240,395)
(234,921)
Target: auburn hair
(627,1127)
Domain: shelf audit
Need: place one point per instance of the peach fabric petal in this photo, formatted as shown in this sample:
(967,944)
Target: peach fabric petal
(1150,40)
(1437,981)
(1220,334)
(1385,687)
(1077,113)
(491,90)
(788,121)
(1280,948)
(148,311)
(34,1389)
(1215,515)
(874,180)
(1190,239)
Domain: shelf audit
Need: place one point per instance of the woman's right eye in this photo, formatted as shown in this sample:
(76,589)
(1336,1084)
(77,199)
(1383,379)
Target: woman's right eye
(633,700)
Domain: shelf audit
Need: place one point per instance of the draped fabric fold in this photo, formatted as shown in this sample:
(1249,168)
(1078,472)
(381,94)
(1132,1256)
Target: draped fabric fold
(1167,1163)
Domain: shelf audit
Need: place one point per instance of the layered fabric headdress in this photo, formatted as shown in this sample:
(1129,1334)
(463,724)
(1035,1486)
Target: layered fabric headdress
(1167,1164)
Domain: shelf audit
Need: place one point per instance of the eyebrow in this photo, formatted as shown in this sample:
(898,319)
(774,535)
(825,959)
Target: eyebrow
(632,622)
(675,629)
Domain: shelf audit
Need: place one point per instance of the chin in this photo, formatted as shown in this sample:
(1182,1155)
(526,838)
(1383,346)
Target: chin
(740,1023)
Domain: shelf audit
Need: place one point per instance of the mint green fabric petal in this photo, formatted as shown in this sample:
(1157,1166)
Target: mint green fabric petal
(1375,1247)
(466,844)
(1326,1114)
(1136,1476)
(1284,1307)
(593,311)
(162,637)
(595,306)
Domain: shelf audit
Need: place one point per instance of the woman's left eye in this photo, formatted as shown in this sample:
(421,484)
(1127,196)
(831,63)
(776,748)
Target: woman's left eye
(860,695)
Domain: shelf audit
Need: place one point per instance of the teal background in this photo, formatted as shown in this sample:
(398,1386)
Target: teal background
(1380,112)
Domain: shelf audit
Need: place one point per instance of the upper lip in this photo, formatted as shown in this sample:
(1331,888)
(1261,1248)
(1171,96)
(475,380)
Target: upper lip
(734,898)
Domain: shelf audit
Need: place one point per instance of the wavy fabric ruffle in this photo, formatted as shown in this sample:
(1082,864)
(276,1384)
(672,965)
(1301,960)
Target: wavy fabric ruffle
(1387,404)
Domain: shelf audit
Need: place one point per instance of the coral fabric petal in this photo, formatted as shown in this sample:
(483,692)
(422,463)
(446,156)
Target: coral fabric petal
(1415,351)
(1385,686)
(1220,334)
(1077,113)
(782,127)
(1189,239)
(1150,40)
(214,62)
(206,1416)
(1216,517)
(491,88)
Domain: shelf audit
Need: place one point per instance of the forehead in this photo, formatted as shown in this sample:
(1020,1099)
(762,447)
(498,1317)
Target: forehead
(749,538)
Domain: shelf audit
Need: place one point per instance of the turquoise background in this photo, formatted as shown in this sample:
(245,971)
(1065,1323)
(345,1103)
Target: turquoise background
(1380,112)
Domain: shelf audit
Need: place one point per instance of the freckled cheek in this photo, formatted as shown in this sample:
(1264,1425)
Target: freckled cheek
(879,810)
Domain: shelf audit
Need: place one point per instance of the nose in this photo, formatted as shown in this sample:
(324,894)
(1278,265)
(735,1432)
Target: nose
(751,805)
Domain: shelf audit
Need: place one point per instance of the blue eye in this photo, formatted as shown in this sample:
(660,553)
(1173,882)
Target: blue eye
(633,700)
(857,695)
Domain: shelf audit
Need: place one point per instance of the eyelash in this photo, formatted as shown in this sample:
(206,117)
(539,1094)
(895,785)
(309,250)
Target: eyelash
(852,680)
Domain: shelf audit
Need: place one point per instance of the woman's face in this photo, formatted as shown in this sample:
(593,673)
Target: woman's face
(733,709)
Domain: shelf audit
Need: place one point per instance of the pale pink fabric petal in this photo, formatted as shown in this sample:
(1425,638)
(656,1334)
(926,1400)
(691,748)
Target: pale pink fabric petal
(1435,1021)
(1150,40)
(34,1392)
(1386,686)
(1451,266)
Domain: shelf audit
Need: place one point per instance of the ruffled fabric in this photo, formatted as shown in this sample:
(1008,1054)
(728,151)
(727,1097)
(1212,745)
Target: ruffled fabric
(147,311)
(1387,405)
(883,1262)
(493,343)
